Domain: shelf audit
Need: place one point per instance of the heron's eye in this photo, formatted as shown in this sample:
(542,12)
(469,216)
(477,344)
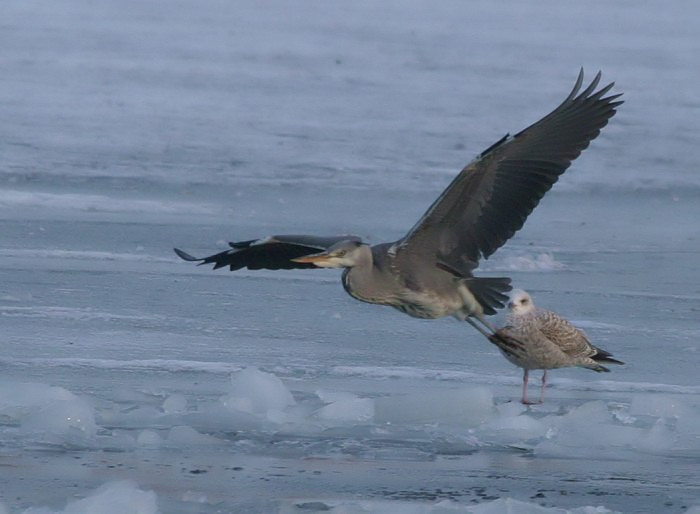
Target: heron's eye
(340,253)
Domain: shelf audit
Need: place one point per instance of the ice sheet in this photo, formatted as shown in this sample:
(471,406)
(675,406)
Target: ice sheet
(130,375)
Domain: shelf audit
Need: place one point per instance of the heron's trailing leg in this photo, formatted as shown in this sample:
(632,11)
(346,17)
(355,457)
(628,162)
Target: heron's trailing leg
(473,318)
(484,322)
(473,323)
(504,340)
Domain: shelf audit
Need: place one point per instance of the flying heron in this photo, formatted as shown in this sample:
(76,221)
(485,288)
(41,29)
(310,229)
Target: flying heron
(535,338)
(428,272)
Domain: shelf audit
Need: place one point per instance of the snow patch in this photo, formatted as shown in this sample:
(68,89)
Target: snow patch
(117,497)
(257,392)
(12,199)
(51,414)
(175,403)
(180,436)
(411,373)
(149,438)
(42,253)
(659,405)
(465,407)
(500,506)
(170,365)
(596,428)
(70,313)
(539,262)
(345,407)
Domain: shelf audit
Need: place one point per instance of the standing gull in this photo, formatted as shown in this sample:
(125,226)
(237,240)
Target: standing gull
(536,338)
(428,272)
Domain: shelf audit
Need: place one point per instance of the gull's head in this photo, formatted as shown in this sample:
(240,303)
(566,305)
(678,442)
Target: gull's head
(520,302)
(343,254)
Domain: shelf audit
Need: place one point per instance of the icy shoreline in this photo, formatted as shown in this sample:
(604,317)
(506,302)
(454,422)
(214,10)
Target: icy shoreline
(269,433)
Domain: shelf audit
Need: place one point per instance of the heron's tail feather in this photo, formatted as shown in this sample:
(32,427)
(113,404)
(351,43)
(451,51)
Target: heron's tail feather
(490,292)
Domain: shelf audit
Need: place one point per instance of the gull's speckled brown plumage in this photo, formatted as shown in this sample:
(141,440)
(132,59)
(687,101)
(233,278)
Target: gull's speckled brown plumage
(536,338)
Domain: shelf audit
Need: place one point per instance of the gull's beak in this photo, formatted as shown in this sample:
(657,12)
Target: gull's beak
(314,258)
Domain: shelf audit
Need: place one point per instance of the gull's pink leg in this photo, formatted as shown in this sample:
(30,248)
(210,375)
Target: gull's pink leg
(525,400)
(544,384)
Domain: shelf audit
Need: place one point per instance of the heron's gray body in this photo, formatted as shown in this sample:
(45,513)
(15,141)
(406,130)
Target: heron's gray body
(421,292)
(428,273)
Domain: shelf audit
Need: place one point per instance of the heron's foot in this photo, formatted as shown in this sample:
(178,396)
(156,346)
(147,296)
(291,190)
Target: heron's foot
(530,402)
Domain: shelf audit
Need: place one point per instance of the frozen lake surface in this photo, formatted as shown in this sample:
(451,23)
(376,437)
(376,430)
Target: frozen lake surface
(134,382)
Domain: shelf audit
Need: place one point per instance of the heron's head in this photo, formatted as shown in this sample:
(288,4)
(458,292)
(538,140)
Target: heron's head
(520,302)
(344,254)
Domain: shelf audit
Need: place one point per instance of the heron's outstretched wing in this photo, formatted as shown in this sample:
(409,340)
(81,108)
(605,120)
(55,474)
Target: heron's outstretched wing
(493,195)
(274,252)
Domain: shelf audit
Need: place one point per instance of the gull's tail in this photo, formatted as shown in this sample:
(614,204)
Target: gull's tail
(604,357)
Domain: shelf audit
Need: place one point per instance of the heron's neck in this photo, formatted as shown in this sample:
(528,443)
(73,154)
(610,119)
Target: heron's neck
(363,280)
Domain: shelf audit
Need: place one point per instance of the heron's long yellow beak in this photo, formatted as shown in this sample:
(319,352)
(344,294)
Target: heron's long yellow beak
(314,258)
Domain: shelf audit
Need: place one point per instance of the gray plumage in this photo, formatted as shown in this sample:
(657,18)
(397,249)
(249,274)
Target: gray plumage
(535,338)
(428,273)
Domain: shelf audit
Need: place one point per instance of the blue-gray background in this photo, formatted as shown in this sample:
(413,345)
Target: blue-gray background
(130,127)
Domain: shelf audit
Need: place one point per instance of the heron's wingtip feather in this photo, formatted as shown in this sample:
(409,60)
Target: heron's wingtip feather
(185,256)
